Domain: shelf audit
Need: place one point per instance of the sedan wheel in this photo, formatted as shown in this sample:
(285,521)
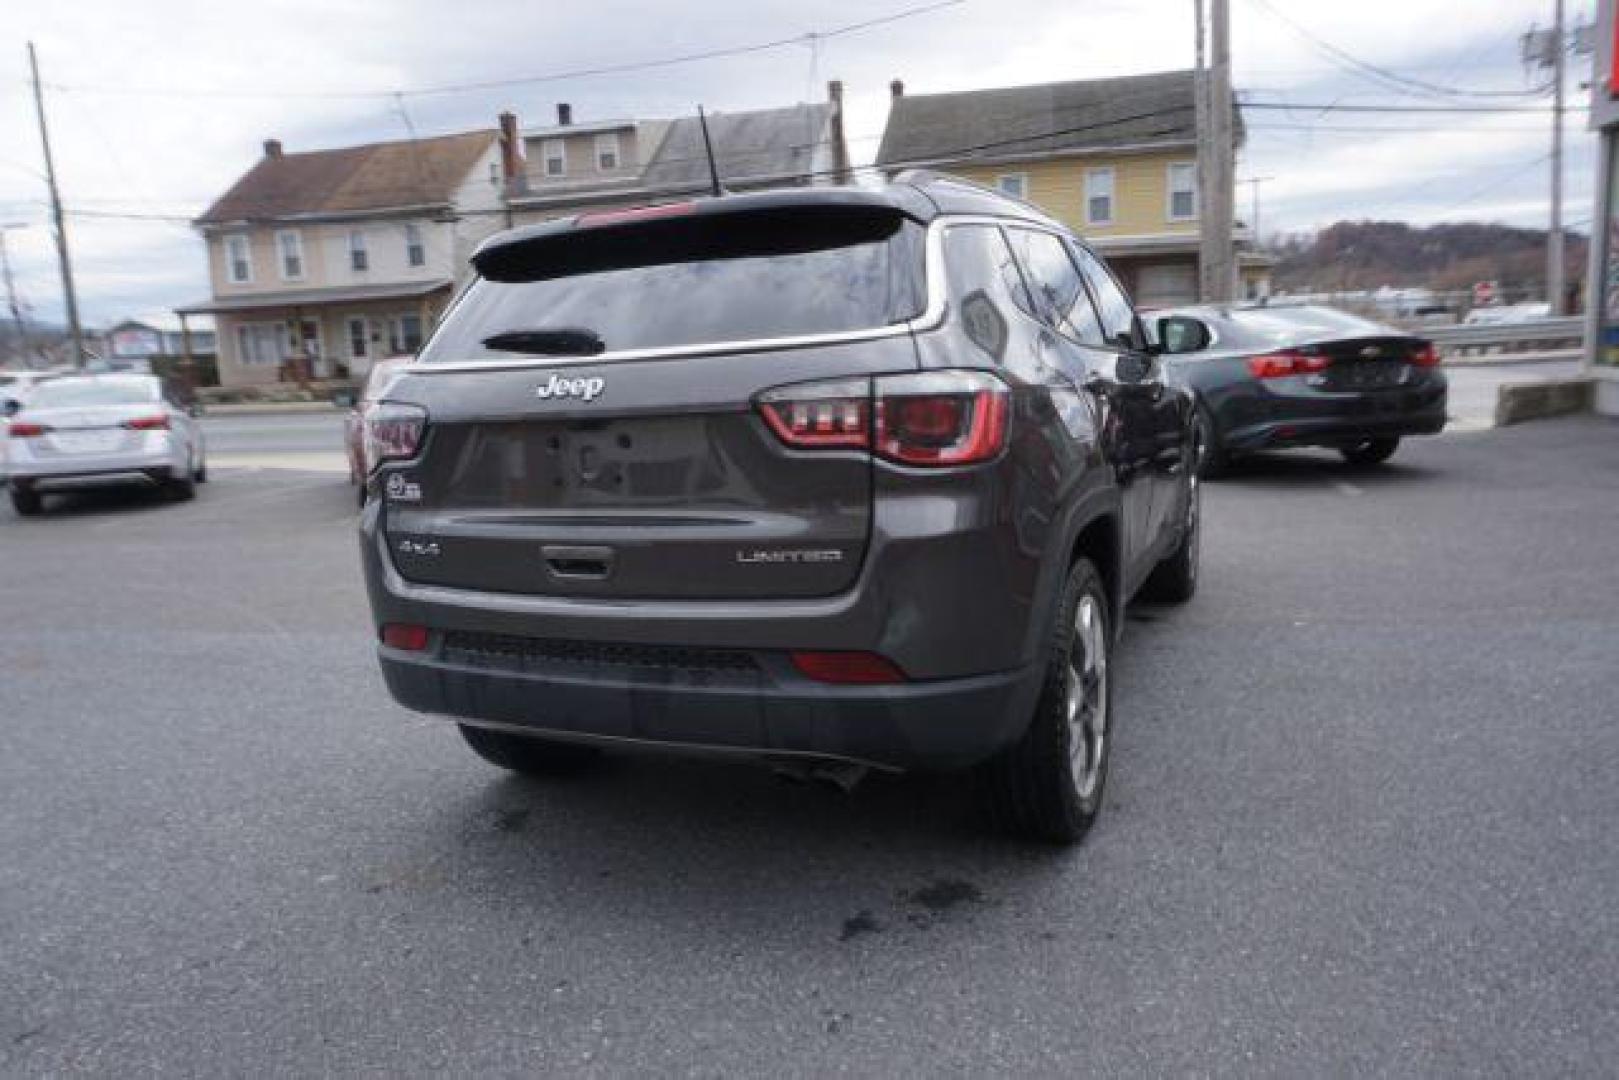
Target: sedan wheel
(1370,451)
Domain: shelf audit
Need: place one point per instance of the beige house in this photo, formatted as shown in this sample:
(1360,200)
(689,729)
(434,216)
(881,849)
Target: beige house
(1114,159)
(572,167)
(322,262)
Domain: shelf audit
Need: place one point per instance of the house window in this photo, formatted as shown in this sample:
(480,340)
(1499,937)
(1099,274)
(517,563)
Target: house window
(261,343)
(1099,196)
(1013,184)
(238,259)
(404,334)
(358,257)
(359,334)
(290,244)
(556,158)
(1182,191)
(606,153)
(415,253)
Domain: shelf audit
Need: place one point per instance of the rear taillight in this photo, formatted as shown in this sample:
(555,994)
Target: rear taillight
(1280,365)
(936,418)
(1425,355)
(847,668)
(21,429)
(405,636)
(391,432)
(158,422)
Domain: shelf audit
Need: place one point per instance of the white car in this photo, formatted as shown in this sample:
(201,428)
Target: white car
(96,430)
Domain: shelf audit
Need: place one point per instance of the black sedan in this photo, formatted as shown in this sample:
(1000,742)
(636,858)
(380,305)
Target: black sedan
(1275,377)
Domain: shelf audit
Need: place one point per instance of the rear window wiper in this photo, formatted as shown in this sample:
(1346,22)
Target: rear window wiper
(562,341)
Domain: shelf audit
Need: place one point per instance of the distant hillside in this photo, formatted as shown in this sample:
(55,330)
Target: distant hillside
(1369,254)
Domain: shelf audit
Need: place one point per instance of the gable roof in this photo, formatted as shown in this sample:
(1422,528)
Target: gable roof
(1049,118)
(777,144)
(375,176)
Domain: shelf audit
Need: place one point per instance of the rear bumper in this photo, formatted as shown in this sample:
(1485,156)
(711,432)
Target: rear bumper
(769,712)
(1334,420)
(127,469)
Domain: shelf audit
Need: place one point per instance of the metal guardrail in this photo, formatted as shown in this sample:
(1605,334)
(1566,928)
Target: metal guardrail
(1534,334)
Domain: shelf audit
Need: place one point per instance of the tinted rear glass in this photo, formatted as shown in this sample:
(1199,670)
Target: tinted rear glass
(668,295)
(1281,326)
(74,393)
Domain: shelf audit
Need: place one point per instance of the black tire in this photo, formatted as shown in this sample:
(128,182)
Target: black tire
(200,476)
(180,488)
(27,502)
(529,756)
(1031,787)
(1174,579)
(1212,459)
(1370,451)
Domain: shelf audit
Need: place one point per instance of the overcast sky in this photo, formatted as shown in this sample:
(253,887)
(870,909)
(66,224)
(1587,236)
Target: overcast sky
(156,106)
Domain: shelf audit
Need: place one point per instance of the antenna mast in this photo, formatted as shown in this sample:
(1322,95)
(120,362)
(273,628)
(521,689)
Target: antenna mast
(708,148)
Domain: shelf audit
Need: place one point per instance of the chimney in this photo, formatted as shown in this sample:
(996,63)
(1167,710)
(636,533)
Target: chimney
(896,89)
(511,152)
(564,114)
(272,148)
(840,147)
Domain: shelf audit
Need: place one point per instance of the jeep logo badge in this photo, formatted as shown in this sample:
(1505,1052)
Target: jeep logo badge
(558,387)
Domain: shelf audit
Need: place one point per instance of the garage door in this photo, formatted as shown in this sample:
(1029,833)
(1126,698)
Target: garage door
(1166,285)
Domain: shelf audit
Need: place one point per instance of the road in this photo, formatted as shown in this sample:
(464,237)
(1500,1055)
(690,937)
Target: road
(314,441)
(1360,820)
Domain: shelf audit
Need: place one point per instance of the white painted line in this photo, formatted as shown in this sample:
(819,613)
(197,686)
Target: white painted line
(1346,488)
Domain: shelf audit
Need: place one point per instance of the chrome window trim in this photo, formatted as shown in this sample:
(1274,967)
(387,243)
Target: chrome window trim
(931,318)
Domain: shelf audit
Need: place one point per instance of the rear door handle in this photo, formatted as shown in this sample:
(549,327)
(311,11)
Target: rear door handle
(579,562)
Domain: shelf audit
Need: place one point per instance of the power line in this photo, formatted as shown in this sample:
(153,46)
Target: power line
(1385,76)
(1333,106)
(524,80)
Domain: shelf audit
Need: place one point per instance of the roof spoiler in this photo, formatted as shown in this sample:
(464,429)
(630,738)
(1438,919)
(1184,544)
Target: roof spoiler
(736,226)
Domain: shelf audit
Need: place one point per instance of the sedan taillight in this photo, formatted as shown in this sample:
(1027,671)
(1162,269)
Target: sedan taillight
(933,419)
(158,422)
(391,432)
(1425,355)
(22,429)
(1280,365)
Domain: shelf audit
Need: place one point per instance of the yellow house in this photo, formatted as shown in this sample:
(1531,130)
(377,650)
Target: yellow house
(1114,159)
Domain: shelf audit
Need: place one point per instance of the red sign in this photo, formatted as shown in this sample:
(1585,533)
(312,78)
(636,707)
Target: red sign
(1613,59)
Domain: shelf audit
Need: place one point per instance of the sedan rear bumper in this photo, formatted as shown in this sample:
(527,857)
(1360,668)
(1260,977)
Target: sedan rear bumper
(1279,420)
(88,471)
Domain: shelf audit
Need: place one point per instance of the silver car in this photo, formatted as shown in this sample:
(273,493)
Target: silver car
(98,430)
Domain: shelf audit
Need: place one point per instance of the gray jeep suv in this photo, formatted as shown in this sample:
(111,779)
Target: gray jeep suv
(832,477)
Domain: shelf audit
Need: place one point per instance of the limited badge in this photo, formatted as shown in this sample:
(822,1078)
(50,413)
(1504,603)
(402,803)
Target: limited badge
(401,489)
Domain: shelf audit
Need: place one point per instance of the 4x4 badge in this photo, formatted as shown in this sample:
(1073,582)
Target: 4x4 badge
(558,387)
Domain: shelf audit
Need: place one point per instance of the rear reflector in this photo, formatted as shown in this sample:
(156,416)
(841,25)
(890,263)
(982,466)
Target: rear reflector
(636,213)
(406,636)
(27,431)
(847,668)
(1280,365)
(159,422)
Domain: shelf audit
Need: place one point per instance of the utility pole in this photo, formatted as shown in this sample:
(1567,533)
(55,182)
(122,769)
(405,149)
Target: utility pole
(71,300)
(1554,238)
(1205,152)
(1254,182)
(1218,210)
(20,327)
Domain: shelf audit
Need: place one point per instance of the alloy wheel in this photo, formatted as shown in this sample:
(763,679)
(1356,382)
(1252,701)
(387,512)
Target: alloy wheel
(1087,696)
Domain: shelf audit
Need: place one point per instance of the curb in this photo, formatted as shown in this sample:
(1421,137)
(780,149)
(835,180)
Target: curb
(1517,402)
(272,408)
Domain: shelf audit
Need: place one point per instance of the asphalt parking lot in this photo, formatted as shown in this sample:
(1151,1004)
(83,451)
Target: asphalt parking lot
(1361,820)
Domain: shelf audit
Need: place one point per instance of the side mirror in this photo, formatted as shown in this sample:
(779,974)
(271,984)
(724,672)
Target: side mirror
(1182,334)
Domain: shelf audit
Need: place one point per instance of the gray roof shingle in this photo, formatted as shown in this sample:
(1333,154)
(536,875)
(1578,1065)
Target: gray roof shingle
(776,144)
(1043,119)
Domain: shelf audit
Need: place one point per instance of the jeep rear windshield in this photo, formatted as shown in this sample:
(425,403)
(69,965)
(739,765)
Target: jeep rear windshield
(700,281)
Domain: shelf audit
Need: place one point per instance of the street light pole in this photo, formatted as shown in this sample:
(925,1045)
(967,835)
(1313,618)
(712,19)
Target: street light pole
(71,300)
